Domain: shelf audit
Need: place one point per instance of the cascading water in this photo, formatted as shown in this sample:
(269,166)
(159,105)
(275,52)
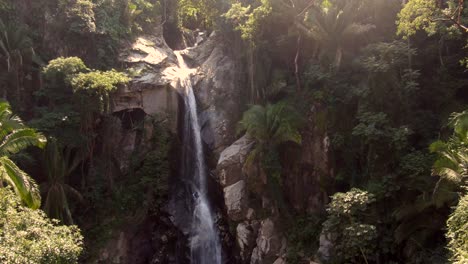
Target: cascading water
(205,247)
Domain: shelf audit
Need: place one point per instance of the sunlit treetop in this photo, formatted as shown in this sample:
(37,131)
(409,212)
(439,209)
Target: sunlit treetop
(433,16)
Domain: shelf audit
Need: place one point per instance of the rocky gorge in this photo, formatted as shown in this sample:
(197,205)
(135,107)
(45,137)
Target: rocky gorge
(256,235)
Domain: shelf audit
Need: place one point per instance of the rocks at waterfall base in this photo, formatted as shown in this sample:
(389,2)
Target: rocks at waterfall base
(270,243)
(259,241)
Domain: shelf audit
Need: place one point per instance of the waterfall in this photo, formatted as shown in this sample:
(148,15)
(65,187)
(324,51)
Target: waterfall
(205,246)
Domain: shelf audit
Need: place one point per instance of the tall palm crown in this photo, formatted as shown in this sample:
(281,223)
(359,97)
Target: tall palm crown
(270,126)
(334,26)
(13,43)
(14,137)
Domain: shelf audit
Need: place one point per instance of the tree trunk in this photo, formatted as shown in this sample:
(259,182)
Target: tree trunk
(338,57)
(296,62)
(253,92)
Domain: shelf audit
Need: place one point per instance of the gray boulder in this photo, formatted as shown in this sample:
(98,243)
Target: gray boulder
(235,198)
(232,159)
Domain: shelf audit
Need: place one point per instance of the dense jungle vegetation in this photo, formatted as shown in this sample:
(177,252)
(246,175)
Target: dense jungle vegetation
(387,78)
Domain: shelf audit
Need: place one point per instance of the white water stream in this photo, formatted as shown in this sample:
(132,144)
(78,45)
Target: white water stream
(205,247)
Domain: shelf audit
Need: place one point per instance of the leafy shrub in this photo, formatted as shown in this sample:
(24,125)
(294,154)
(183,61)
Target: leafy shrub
(352,237)
(144,14)
(248,21)
(303,237)
(98,80)
(28,236)
(61,67)
(375,127)
(351,203)
(79,15)
(197,13)
(457,232)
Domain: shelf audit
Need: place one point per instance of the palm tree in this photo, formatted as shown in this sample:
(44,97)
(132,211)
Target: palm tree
(333,27)
(452,163)
(270,126)
(16,55)
(14,137)
(60,164)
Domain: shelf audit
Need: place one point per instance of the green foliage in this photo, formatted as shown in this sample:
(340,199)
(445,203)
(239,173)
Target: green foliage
(384,104)
(60,163)
(152,173)
(124,18)
(90,88)
(61,68)
(303,236)
(92,95)
(452,163)
(140,194)
(14,137)
(28,236)
(384,57)
(143,14)
(111,19)
(97,80)
(447,18)
(457,232)
(249,20)
(354,240)
(63,123)
(417,14)
(270,126)
(374,127)
(195,14)
(432,16)
(17,63)
(79,15)
(352,203)
(14,42)
(333,24)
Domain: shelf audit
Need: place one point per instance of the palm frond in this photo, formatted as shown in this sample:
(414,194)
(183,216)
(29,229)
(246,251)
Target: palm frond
(459,121)
(20,139)
(60,163)
(56,204)
(253,156)
(21,182)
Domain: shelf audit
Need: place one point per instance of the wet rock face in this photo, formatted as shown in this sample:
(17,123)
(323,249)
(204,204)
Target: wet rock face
(218,85)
